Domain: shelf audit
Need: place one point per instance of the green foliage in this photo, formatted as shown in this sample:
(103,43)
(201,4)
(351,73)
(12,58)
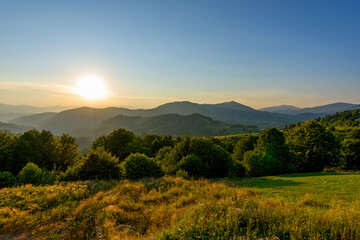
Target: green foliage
(245,144)
(6,151)
(182,174)
(252,163)
(138,166)
(351,154)
(30,174)
(237,170)
(210,160)
(119,143)
(192,165)
(67,151)
(313,146)
(97,164)
(37,147)
(344,119)
(7,179)
(270,157)
(155,142)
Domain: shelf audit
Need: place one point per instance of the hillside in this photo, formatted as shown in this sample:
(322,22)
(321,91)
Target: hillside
(228,112)
(13,128)
(281,207)
(342,119)
(284,109)
(318,111)
(8,112)
(73,119)
(174,124)
(34,120)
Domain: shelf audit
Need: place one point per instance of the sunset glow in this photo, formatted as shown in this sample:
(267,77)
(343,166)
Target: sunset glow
(91,88)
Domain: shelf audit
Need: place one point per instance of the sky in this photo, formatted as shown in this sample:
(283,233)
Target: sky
(257,52)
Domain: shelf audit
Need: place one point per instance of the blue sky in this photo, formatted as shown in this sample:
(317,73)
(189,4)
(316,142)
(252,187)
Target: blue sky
(259,53)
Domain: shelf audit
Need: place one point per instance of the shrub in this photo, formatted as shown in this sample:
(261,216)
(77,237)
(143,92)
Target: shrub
(216,160)
(238,170)
(312,146)
(118,143)
(351,154)
(138,165)
(252,163)
(193,165)
(97,164)
(47,177)
(7,179)
(247,143)
(182,174)
(30,174)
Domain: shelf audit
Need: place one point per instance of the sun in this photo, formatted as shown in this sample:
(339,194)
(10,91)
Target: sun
(91,88)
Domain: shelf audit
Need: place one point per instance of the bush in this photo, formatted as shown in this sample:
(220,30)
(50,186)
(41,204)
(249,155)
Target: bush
(30,174)
(238,170)
(351,154)
(7,179)
(47,177)
(97,164)
(193,165)
(252,163)
(138,166)
(182,174)
(312,146)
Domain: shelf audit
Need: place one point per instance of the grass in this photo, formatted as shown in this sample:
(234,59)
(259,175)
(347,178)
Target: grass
(299,206)
(328,188)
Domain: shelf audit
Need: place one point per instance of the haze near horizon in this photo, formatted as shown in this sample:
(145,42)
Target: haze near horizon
(141,54)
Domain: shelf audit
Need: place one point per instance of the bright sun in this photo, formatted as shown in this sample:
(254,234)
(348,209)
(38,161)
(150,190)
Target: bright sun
(91,88)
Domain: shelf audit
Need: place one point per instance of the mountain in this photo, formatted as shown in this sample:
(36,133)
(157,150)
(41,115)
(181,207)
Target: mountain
(330,108)
(318,111)
(8,112)
(174,124)
(350,118)
(72,119)
(284,109)
(13,128)
(34,120)
(229,112)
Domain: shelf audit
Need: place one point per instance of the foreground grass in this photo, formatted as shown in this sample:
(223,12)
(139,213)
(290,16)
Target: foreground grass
(173,208)
(328,188)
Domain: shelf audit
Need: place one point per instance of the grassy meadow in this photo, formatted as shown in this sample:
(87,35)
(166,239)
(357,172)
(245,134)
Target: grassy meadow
(294,206)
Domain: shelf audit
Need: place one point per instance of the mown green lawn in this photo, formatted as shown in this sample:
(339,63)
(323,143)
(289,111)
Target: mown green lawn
(329,188)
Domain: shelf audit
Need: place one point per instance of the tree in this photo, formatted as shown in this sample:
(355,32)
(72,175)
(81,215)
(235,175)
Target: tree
(193,165)
(37,147)
(351,154)
(118,143)
(139,165)
(30,174)
(313,146)
(7,143)
(66,151)
(97,164)
(245,144)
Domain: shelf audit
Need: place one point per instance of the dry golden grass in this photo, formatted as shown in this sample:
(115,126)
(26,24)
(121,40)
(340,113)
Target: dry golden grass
(167,208)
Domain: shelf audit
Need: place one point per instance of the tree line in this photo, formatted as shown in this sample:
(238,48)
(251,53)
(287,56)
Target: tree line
(39,157)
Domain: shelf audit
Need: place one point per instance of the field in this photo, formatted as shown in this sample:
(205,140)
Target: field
(295,206)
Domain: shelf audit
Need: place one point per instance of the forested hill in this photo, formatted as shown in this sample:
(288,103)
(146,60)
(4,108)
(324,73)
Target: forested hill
(343,119)
(174,124)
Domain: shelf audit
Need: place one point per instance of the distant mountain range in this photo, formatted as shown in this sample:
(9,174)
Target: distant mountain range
(8,112)
(174,118)
(320,110)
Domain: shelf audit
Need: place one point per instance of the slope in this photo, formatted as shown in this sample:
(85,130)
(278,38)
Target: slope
(174,124)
